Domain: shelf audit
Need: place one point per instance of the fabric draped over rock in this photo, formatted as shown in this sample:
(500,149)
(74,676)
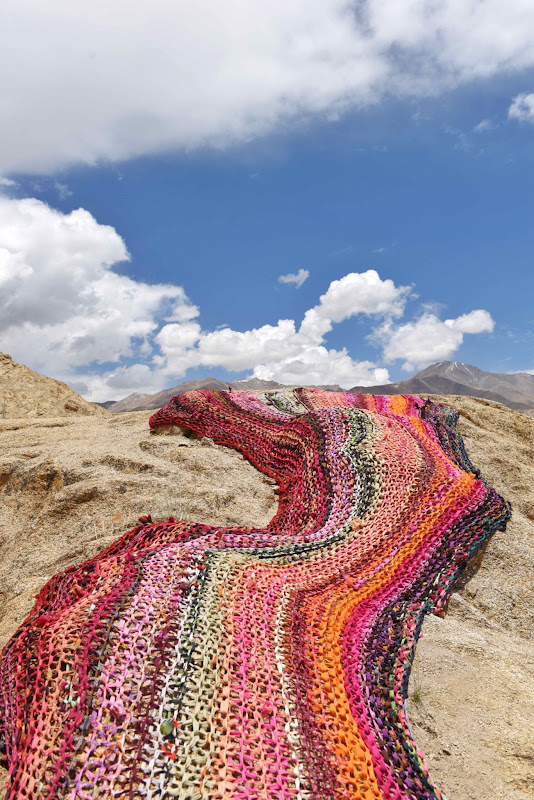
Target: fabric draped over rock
(199,662)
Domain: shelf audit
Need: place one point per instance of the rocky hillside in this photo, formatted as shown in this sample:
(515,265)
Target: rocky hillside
(70,484)
(25,393)
(516,387)
(515,390)
(140,401)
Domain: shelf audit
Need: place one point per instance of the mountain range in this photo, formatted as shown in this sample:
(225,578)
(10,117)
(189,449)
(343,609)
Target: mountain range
(515,390)
(145,402)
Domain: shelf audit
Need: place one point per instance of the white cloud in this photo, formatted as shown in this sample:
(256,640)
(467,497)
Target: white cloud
(275,352)
(522,108)
(429,339)
(355,293)
(478,321)
(318,365)
(484,125)
(82,82)
(283,353)
(362,293)
(7,182)
(65,311)
(297,278)
(239,350)
(61,304)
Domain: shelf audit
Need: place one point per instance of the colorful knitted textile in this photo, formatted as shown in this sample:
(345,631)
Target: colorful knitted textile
(198,662)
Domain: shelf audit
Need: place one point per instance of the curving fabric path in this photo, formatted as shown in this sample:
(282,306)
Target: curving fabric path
(197,662)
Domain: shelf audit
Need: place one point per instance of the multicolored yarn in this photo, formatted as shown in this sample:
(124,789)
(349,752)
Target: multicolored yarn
(188,661)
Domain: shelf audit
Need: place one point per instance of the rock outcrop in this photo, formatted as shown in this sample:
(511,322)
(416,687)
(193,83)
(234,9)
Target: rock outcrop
(25,393)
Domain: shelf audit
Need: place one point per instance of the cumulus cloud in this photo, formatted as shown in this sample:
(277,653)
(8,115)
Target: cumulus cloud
(522,108)
(274,352)
(61,304)
(297,278)
(7,182)
(429,339)
(319,366)
(82,82)
(479,321)
(65,311)
(355,293)
(287,354)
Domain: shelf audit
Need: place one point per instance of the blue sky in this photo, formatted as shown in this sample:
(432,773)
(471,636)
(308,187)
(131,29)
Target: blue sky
(133,262)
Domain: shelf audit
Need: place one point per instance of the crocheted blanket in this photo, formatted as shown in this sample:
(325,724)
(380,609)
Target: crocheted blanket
(189,661)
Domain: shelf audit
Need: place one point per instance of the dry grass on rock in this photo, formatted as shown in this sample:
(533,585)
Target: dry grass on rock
(25,393)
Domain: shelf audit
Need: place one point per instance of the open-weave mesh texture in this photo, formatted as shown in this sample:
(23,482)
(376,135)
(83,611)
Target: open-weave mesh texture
(193,662)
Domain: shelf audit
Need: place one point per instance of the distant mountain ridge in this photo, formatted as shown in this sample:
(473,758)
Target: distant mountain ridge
(139,401)
(515,390)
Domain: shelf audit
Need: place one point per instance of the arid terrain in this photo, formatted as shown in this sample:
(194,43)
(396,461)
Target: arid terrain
(25,393)
(472,688)
(70,483)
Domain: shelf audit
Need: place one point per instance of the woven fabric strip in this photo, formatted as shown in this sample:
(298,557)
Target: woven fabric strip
(193,662)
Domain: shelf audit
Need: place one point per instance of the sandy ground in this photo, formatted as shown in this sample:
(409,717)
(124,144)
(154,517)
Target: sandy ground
(69,486)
